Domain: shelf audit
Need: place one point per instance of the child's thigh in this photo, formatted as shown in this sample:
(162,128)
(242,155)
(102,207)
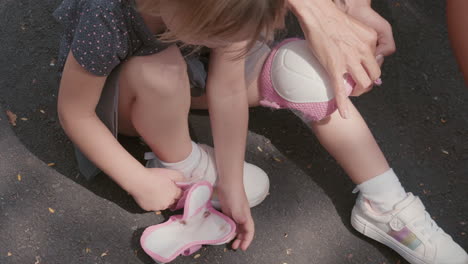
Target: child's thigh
(163,74)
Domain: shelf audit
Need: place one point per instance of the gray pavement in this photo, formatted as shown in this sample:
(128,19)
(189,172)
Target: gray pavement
(52,215)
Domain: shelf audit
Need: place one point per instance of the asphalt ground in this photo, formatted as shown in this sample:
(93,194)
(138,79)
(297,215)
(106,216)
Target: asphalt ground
(51,214)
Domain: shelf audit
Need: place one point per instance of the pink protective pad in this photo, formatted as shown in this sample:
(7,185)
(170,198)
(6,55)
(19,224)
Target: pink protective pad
(200,224)
(293,78)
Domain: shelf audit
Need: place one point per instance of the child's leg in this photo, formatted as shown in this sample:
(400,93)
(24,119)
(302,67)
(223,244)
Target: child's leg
(253,66)
(154,102)
(351,143)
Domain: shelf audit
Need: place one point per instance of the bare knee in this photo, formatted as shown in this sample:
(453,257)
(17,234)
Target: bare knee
(163,74)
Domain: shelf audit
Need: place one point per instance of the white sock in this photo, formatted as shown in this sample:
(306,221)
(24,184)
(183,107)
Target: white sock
(187,165)
(383,191)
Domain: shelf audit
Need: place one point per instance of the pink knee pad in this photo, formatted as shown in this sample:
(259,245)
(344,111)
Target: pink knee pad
(293,78)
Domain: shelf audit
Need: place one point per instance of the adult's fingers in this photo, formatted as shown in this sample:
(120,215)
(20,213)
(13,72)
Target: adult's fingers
(341,98)
(385,41)
(361,78)
(372,67)
(380,59)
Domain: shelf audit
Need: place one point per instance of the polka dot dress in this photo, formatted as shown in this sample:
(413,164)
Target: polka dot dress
(103,33)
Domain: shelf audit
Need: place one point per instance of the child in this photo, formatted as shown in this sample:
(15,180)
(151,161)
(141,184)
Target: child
(116,73)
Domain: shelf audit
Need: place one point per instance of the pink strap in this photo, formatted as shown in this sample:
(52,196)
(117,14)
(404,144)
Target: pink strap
(190,251)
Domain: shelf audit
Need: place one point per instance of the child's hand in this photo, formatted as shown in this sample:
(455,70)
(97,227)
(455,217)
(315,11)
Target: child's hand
(234,204)
(158,191)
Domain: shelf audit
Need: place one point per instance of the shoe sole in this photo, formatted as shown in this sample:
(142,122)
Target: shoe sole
(370,230)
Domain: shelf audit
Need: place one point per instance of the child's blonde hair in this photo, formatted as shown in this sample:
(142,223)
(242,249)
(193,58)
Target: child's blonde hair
(222,18)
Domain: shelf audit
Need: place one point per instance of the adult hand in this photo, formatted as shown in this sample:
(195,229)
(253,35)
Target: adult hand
(362,11)
(342,44)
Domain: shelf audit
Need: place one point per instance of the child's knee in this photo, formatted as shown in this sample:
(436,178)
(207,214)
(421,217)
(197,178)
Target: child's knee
(163,75)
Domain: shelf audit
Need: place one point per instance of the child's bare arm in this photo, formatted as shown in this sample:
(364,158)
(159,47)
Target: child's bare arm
(153,189)
(228,106)
(78,96)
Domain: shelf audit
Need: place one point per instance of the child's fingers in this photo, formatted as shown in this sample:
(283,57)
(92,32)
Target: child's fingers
(175,176)
(247,241)
(248,235)
(236,244)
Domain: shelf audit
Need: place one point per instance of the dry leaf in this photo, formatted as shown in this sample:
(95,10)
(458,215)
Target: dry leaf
(24,119)
(288,251)
(51,164)
(38,260)
(285,234)
(225,249)
(51,210)
(443,120)
(158,212)
(104,254)
(196,256)
(9,254)
(11,117)
(87,250)
(277,159)
(19,177)
(260,149)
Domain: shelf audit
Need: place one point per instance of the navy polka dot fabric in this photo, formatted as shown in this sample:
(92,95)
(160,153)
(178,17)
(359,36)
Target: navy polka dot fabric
(103,33)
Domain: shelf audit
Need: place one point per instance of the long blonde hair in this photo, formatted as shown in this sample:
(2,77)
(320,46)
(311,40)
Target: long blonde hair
(222,18)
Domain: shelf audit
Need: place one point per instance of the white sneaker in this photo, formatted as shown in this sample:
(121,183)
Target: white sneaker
(256,182)
(409,230)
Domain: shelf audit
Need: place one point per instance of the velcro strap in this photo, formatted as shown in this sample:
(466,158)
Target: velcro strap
(411,211)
